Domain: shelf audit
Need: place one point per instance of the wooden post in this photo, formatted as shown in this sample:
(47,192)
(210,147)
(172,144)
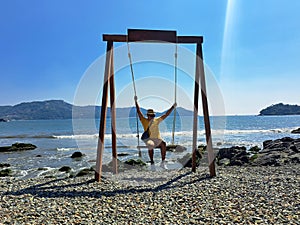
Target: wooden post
(195,120)
(210,151)
(113,113)
(100,147)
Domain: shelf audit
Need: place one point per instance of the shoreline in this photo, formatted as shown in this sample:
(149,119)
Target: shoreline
(245,195)
(273,153)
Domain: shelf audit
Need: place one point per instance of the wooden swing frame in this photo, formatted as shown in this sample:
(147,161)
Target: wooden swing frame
(157,36)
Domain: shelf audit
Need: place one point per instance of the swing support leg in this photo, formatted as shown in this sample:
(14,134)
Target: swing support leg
(195,115)
(200,74)
(108,78)
(113,114)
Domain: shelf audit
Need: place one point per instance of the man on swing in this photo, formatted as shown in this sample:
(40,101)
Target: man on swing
(155,139)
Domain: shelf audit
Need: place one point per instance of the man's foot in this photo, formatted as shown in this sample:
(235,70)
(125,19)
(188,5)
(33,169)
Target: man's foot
(163,165)
(152,167)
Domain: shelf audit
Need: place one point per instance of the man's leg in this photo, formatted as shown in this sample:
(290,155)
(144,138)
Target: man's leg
(150,144)
(163,150)
(150,152)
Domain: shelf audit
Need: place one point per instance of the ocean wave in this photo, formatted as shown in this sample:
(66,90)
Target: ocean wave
(229,143)
(26,136)
(134,135)
(66,149)
(256,131)
(77,136)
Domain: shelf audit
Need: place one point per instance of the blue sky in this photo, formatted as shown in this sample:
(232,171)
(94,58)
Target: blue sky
(251,47)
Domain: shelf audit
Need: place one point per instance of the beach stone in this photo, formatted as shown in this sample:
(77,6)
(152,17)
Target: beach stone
(77,155)
(66,169)
(135,162)
(5,172)
(18,147)
(122,154)
(4,165)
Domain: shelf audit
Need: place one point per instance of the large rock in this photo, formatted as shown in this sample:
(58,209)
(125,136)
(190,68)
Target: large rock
(279,152)
(282,144)
(18,147)
(77,155)
(4,165)
(85,172)
(296,131)
(234,156)
(187,161)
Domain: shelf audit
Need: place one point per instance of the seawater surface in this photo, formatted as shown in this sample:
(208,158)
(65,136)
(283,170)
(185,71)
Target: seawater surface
(56,140)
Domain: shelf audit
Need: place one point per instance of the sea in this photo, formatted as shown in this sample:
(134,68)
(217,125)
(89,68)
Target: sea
(57,140)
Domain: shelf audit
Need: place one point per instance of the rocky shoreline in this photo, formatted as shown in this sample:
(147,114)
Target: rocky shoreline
(284,151)
(254,186)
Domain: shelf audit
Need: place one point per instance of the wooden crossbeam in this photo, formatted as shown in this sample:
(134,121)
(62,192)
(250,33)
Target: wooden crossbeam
(153,36)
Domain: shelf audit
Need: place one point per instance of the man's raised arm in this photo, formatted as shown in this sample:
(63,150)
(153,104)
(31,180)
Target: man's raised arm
(138,108)
(169,111)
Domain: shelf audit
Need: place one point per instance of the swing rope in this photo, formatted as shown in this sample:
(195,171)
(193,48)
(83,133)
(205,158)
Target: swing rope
(134,88)
(175,92)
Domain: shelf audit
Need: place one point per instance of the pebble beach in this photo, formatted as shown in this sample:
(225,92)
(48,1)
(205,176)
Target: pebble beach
(237,195)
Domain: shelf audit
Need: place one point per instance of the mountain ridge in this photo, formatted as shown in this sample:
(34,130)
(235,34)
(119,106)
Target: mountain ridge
(59,109)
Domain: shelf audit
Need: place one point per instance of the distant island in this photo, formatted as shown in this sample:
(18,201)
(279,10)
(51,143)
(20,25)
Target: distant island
(59,109)
(280,109)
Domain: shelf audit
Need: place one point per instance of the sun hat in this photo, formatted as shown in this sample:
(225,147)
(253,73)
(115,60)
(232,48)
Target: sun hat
(150,112)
